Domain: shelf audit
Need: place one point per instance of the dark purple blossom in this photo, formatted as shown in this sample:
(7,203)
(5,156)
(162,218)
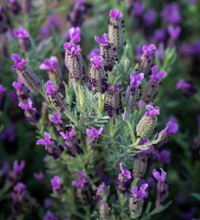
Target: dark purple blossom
(125,172)
(136,79)
(94,132)
(139,193)
(18,85)
(46,141)
(20,189)
(174,32)
(26,106)
(68,135)
(21,33)
(50,216)
(56,118)
(162,156)
(19,64)
(182,84)
(93,53)
(152,111)
(72,49)
(48,202)
(155,75)
(159,35)
(79,1)
(44,30)
(138,8)
(96,62)
(187,215)
(17,168)
(50,88)
(49,64)
(80,181)
(56,183)
(55,21)
(104,39)
(172,127)
(39,176)
(149,17)
(148,50)
(74,34)
(115,14)
(2,89)
(160,177)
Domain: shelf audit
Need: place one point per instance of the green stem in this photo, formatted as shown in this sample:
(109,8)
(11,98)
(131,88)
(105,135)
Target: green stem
(44,96)
(135,181)
(137,142)
(110,126)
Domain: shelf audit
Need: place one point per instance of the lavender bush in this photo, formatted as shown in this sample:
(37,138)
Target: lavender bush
(99,110)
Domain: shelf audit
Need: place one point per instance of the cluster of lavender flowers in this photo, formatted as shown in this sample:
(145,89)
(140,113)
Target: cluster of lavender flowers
(103,149)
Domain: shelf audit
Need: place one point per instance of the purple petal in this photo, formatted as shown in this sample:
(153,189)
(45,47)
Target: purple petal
(154,70)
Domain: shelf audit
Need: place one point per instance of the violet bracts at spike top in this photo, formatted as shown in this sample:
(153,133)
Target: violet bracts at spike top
(93,135)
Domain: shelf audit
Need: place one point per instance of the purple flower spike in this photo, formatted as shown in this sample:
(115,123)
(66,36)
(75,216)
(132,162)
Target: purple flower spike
(18,167)
(104,39)
(138,9)
(39,176)
(56,118)
(72,49)
(159,177)
(150,17)
(20,189)
(68,135)
(96,61)
(50,88)
(115,14)
(148,50)
(80,181)
(26,106)
(56,183)
(18,85)
(19,64)
(49,64)
(139,193)
(172,127)
(94,132)
(93,53)
(46,141)
(174,32)
(152,111)
(155,75)
(74,34)
(21,33)
(2,89)
(125,172)
(50,216)
(136,79)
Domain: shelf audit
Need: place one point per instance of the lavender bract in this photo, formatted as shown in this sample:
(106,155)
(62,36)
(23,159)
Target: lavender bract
(93,135)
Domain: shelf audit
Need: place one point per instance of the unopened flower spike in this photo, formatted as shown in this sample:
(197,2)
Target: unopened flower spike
(26,6)
(151,88)
(14,6)
(106,51)
(24,41)
(71,143)
(28,77)
(102,192)
(113,104)
(55,97)
(123,181)
(146,60)
(115,29)
(93,135)
(146,125)
(98,78)
(51,146)
(132,92)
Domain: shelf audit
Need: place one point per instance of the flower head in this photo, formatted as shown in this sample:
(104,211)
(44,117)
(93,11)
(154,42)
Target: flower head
(21,33)
(68,135)
(47,202)
(174,32)
(2,89)
(74,34)
(96,62)
(50,88)
(19,64)
(115,88)
(163,156)
(18,85)
(72,49)
(39,176)
(148,50)
(80,181)
(93,53)
(46,141)
(49,64)
(139,193)
(56,183)
(104,39)
(115,14)
(160,177)
(152,111)
(26,106)
(79,1)
(150,17)
(94,132)
(102,190)
(20,189)
(155,75)
(136,79)
(138,8)
(56,118)
(181,84)
(172,127)
(125,172)
(18,167)
(50,216)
